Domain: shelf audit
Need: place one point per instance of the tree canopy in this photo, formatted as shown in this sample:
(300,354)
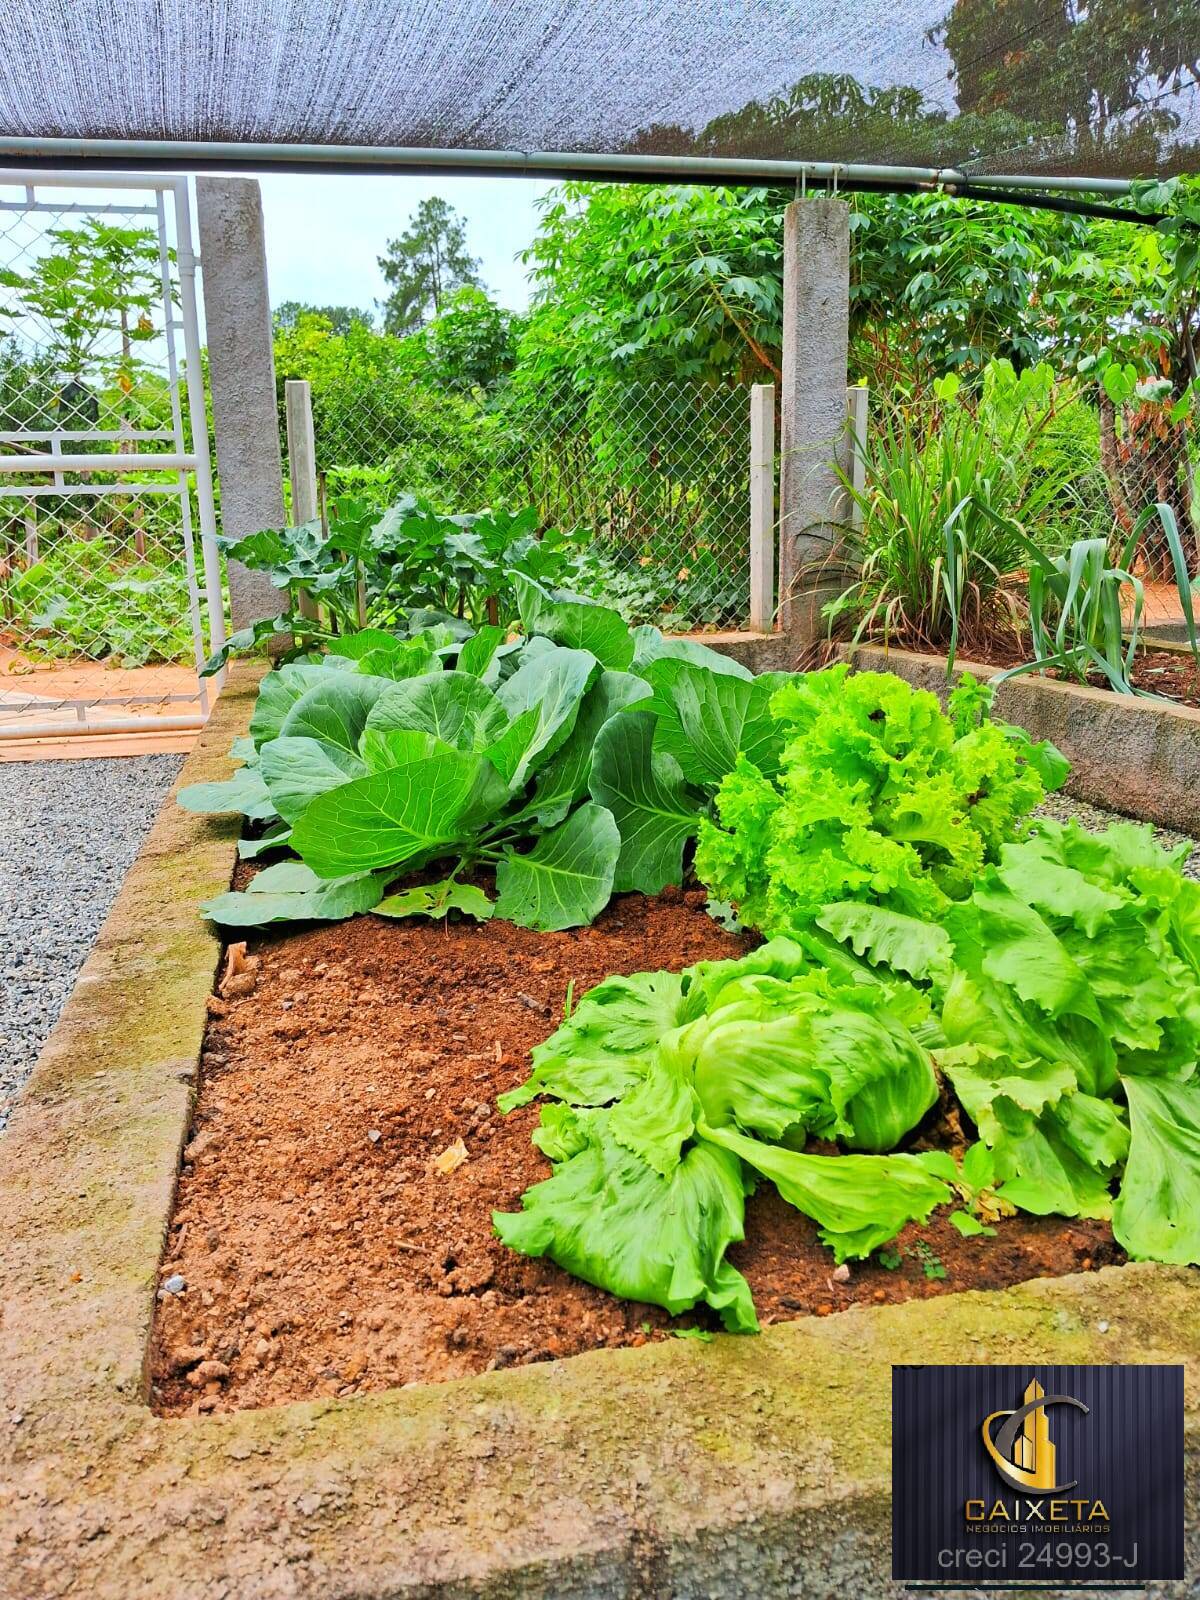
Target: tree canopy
(339,318)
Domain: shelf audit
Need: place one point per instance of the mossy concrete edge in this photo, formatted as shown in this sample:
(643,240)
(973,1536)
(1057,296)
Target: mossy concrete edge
(1128,754)
(746,1466)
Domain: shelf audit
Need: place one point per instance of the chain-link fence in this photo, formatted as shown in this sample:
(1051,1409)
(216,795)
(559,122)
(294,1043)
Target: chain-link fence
(100,603)
(656,475)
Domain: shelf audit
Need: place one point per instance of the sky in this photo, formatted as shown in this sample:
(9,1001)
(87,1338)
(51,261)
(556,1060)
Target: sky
(325,231)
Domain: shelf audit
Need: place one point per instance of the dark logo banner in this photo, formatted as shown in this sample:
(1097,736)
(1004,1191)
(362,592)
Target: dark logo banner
(1037,1476)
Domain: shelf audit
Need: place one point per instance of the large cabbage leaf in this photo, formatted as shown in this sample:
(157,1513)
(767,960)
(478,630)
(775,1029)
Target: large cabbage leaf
(448,752)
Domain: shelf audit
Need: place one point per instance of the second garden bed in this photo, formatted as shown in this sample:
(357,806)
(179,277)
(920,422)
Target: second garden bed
(323,1250)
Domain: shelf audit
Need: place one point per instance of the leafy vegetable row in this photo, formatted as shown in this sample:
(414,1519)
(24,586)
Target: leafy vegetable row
(576,761)
(365,564)
(1057,998)
(580,758)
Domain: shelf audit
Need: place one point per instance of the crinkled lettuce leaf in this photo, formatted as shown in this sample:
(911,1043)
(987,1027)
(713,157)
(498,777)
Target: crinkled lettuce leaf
(878,798)
(609,1218)
(602,1049)
(1157,1213)
(858,1202)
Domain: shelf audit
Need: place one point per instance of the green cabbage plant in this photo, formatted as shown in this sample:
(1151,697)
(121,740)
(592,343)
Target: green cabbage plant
(574,761)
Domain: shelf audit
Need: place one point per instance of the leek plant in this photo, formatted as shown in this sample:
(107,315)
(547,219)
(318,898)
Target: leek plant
(1077,619)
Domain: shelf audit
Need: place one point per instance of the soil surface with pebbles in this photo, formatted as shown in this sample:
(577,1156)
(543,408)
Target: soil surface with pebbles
(69,831)
(333,1226)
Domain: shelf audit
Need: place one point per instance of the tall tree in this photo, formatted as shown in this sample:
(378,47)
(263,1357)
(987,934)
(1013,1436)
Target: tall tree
(427,263)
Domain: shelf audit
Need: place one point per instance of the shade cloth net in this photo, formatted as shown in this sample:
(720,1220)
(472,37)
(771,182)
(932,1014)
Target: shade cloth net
(1015,86)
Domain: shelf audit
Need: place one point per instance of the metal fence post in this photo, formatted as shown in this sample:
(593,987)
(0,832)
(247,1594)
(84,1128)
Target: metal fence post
(762,507)
(302,466)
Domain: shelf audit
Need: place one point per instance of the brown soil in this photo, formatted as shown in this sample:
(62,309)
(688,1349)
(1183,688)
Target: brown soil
(324,1252)
(1172,674)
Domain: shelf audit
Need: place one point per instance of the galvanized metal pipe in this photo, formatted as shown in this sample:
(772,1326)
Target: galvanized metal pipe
(193,155)
(108,463)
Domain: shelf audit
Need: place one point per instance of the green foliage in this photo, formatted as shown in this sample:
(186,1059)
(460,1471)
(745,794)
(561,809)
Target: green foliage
(1073,1024)
(96,280)
(339,318)
(93,598)
(670,1096)
(655,283)
(1076,614)
(945,285)
(408,559)
(466,752)
(471,343)
(945,486)
(878,797)
(1056,993)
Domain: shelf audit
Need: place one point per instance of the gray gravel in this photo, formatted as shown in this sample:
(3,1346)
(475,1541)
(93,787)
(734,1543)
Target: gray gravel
(68,832)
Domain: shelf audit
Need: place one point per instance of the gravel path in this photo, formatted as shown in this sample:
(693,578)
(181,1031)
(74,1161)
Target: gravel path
(68,832)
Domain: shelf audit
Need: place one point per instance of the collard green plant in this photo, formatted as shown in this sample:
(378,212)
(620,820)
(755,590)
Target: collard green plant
(571,762)
(367,566)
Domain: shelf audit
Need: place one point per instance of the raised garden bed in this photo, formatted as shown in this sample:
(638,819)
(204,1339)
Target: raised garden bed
(744,1465)
(325,1253)
(1164,669)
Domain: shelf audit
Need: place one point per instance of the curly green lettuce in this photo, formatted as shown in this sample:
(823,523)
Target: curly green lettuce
(1069,995)
(879,797)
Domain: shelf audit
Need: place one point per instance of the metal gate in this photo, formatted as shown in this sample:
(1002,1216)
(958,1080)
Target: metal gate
(109,604)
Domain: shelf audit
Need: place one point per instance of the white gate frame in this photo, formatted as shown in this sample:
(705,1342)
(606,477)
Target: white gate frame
(182,460)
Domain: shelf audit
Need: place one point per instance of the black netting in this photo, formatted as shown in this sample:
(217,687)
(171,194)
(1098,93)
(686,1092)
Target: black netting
(986,85)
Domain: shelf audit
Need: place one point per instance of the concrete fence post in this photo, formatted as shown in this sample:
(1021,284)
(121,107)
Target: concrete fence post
(814,443)
(302,466)
(241,365)
(762,507)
